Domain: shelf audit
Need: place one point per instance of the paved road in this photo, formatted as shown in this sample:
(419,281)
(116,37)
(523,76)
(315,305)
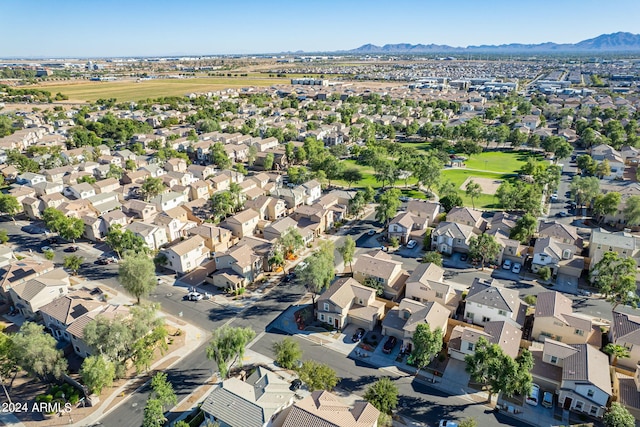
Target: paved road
(417,400)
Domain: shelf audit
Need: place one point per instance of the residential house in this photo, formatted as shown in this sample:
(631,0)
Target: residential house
(139,209)
(95,229)
(488,300)
(625,331)
(175,165)
(424,209)
(186,255)
(260,247)
(378,266)
(314,217)
(312,191)
(106,185)
(627,390)
(348,302)
(450,237)
(401,226)
(216,239)
(115,217)
(153,235)
(33,207)
(463,339)
(201,172)
(168,200)
(322,408)
(616,161)
(29,295)
(254,402)
(239,261)
(469,217)
(624,244)
(199,190)
(46,188)
(563,233)
(401,321)
(426,283)
(278,228)
(559,257)
(220,182)
(80,191)
(293,197)
(554,318)
(76,328)
(243,223)
(30,179)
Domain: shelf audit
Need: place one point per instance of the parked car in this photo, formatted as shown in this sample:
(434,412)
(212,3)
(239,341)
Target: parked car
(296,384)
(46,248)
(389,345)
(289,277)
(554,197)
(534,396)
(562,214)
(72,249)
(507,264)
(516,268)
(464,257)
(547,399)
(371,232)
(33,229)
(357,336)
(193,296)
(52,240)
(411,244)
(447,423)
(102,261)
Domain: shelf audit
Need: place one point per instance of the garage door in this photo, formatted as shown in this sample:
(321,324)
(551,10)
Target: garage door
(361,323)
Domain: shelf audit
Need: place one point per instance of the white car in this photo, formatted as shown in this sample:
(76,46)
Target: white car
(411,244)
(46,248)
(194,296)
(447,423)
(516,268)
(507,264)
(554,197)
(534,396)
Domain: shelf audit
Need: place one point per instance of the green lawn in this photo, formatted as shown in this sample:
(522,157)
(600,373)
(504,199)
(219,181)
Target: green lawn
(368,177)
(499,161)
(459,176)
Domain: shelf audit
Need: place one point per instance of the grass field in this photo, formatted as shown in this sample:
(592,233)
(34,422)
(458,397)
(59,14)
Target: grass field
(368,176)
(499,161)
(459,176)
(129,90)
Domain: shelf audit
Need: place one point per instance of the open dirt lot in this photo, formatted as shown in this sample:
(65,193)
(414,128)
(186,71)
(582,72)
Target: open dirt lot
(488,185)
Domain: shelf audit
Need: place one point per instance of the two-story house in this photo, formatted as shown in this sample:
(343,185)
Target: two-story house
(559,257)
(216,239)
(348,302)
(463,339)
(243,223)
(401,321)
(30,295)
(168,200)
(83,190)
(153,235)
(401,226)
(469,217)
(424,209)
(450,237)
(239,261)
(426,283)
(186,255)
(379,267)
(555,319)
(139,209)
(488,300)
(625,331)
(312,191)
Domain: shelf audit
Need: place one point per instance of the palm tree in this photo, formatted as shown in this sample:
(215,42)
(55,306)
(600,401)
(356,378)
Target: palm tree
(617,351)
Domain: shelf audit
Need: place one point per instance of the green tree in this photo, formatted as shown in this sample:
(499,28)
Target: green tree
(4,237)
(97,373)
(383,395)
(252,153)
(606,204)
(137,275)
(497,372)
(162,389)
(603,169)
(351,175)
(544,273)
(219,156)
(153,414)
(473,190)
(427,170)
(369,194)
(447,188)
(524,229)
(319,271)
(617,351)
(49,254)
(222,205)
(151,187)
(318,376)
(388,204)
(386,172)
(584,189)
(122,243)
(615,277)
(618,416)
(450,201)
(8,363)
(432,257)
(268,162)
(290,242)
(426,345)
(71,228)
(631,210)
(9,206)
(36,352)
(484,247)
(347,250)
(287,352)
(356,204)
(228,345)
(73,262)
(115,172)
(468,422)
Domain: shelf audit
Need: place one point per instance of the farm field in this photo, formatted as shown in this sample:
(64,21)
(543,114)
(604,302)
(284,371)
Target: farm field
(130,90)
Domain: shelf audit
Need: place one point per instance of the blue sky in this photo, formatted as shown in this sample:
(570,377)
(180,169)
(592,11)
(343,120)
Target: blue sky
(91,28)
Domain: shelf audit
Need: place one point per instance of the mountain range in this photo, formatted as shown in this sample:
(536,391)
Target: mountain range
(620,42)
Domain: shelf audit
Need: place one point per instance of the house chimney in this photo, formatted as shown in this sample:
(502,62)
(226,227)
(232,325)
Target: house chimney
(636,377)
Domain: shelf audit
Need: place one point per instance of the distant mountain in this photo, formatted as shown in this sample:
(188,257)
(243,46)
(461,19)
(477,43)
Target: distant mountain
(607,43)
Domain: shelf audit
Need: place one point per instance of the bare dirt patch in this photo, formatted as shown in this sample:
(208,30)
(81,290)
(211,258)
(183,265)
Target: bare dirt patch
(488,185)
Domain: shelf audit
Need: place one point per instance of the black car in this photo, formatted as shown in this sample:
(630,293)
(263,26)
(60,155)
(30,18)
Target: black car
(102,261)
(72,249)
(357,336)
(464,257)
(389,345)
(289,277)
(32,229)
(295,384)
(52,240)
